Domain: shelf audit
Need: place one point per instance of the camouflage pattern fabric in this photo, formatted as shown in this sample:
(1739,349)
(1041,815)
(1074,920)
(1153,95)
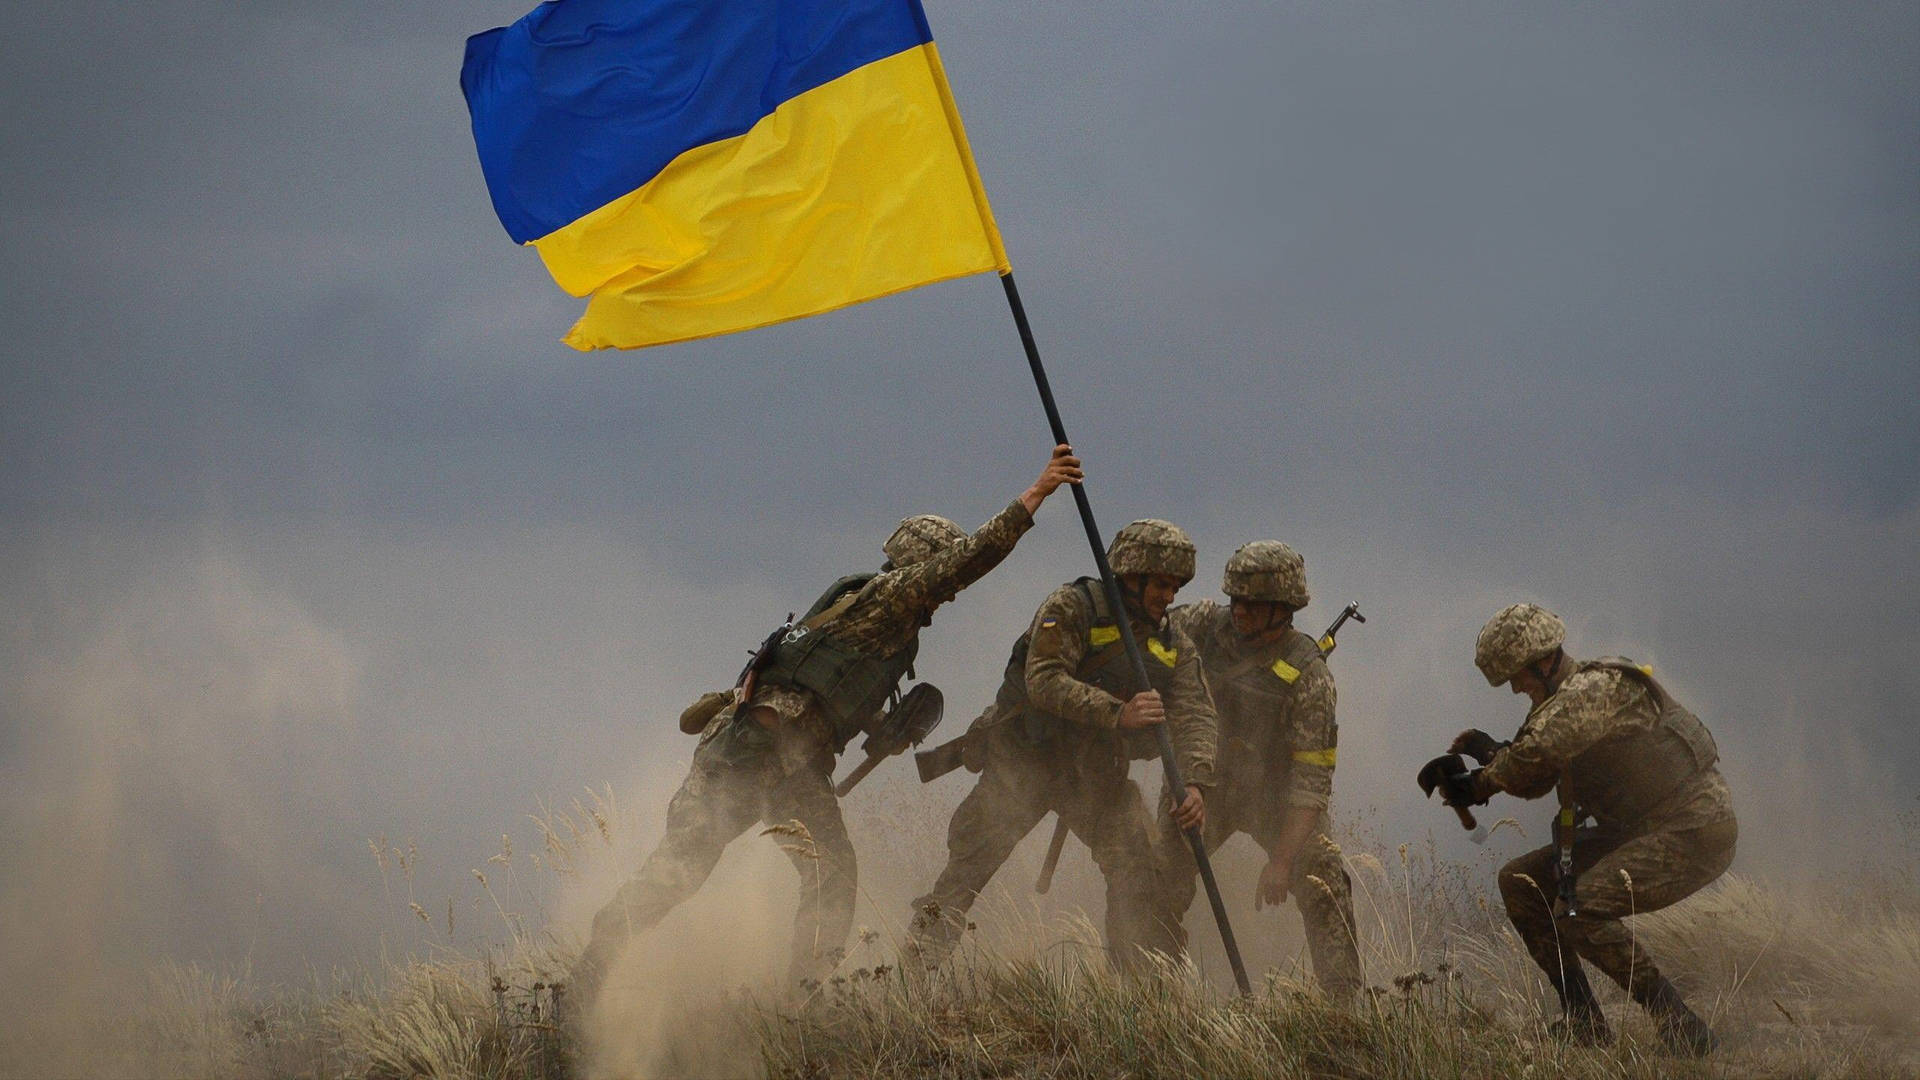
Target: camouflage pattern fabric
(1621,868)
(1516,636)
(779,768)
(1081,775)
(1019,785)
(1259,778)
(917,539)
(1617,874)
(1594,707)
(1267,570)
(1152,546)
(1319,885)
(736,782)
(1260,734)
(900,601)
(1058,645)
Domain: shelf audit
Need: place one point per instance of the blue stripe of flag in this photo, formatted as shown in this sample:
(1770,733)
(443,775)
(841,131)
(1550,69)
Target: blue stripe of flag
(583,101)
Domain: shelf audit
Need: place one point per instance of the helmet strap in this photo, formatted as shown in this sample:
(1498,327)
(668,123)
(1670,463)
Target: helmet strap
(1545,667)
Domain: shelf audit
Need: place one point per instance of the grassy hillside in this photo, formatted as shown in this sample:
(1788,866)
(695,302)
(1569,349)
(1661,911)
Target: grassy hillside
(1795,990)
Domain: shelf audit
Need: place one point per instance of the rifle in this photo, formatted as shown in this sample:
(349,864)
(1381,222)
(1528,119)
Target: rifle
(913,717)
(759,658)
(943,759)
(1563,823)
(1058,843)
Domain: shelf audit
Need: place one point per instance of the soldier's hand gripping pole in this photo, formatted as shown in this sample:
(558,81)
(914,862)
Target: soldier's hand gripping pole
(1058,843)
(1175,783)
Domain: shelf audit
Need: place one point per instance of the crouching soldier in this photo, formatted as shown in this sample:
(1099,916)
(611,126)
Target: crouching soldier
(1617,747)
(1274,766)
(770,758)
(1066,722)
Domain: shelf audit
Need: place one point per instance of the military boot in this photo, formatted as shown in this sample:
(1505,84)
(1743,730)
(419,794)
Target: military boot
(1680,1027)
(1581,1020)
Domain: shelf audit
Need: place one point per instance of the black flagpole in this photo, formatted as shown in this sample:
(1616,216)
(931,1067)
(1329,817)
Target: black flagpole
(1175,785)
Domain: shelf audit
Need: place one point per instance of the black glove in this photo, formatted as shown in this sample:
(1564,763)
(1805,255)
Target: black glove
(1449,775)
(1478,745)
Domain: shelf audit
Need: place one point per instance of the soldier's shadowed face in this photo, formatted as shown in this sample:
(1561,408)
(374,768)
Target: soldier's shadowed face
(1530,684)
(1254,619)
(1149,595)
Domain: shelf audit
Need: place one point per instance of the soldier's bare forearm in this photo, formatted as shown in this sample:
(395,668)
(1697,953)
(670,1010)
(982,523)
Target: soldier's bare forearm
(1063,468)
(1296,826)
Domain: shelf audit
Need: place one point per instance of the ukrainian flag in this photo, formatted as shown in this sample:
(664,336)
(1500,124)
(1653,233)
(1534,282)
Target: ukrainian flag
(697,167)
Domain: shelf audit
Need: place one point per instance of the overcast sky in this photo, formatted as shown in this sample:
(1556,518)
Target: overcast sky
(311,532)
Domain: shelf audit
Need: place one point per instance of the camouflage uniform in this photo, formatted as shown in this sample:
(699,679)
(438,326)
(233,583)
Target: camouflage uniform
(1061,750)
(1595,731)
(1277,747)
(744,772)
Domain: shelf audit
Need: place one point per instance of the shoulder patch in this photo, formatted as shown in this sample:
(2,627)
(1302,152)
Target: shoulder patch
(1103,635)
(1287,672)
(1167,656)
(1049,623)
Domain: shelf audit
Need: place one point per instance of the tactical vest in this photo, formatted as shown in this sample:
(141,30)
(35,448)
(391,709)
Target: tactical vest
(1104,665)
(1252,696)
(1622,780)
(851,685)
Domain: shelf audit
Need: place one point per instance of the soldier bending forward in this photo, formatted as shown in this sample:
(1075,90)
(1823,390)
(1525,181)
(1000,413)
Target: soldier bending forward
(1621,750)
(1274,766)
(772,759)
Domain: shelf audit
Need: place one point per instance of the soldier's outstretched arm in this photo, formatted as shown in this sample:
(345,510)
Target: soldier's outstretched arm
(1062,468)
(926,585)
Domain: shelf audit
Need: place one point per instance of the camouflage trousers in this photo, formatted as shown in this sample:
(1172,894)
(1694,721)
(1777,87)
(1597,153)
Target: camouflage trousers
(1319,886)
(737,781)
(1019,784)
(1617,874)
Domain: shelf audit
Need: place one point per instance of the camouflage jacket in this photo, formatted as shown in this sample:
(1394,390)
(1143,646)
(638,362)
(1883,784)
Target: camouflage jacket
(1592,707)
(888,616)
(1058,643)
(1277,739)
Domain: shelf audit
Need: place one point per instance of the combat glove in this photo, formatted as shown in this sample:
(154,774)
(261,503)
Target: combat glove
(1478,745)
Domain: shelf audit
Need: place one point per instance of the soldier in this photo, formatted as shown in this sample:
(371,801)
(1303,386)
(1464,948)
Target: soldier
(1274,767)
(1620,749)
(1067,720)
(772,759)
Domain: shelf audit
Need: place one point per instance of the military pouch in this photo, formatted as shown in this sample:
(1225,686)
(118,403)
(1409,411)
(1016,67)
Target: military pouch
(694,718)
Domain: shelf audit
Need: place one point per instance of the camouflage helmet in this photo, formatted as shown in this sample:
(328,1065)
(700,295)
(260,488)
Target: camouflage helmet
(1516,637)
(1152,546)
(1267,570)
(920,538)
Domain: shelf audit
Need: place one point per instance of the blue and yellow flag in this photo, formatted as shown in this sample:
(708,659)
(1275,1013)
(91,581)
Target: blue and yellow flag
(698,167)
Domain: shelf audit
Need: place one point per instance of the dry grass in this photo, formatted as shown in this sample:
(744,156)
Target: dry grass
(1795,988)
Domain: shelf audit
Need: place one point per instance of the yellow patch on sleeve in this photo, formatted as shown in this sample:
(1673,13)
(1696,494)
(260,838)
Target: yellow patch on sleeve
(1165,655)
(1103,635)
(1286,671)
(1322,758)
